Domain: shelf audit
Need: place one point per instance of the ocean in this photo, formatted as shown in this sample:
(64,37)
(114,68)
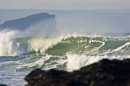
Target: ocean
(77,39)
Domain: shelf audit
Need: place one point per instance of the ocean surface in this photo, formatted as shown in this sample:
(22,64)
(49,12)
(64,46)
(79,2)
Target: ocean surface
(81,38)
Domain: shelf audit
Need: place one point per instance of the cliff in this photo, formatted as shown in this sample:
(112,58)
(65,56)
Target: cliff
(42,24)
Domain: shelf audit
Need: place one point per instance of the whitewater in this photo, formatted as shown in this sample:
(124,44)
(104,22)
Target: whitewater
(21,55)
(68,48)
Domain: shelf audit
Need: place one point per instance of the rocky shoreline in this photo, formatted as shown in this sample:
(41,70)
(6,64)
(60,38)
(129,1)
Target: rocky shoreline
(103,73)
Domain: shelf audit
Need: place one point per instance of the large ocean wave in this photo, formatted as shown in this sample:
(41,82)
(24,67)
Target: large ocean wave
(67,53)
(46,44)
(89,45)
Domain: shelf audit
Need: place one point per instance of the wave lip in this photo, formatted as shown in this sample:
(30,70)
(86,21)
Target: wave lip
(92,45)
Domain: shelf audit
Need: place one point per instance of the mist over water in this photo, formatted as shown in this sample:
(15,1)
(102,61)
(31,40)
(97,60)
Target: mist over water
(83,22)
(93,22)
(67,23)
(71,40)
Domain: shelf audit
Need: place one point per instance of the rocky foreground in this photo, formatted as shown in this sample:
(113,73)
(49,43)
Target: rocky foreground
(103,73)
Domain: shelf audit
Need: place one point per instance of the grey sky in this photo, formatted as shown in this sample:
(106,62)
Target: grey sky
(65,4)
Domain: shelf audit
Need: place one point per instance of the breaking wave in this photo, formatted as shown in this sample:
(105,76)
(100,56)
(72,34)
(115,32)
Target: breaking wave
(92,45)
(66,53)
(89,45)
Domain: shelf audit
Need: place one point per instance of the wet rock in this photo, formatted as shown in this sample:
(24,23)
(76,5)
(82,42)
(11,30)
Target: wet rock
(103,73)
(3,85)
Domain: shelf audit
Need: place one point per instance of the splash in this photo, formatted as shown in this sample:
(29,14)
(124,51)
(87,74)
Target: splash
(6,43)
(76,61)
(41,44)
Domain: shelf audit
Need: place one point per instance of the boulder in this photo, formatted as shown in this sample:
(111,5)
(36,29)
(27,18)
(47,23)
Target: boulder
(103,73)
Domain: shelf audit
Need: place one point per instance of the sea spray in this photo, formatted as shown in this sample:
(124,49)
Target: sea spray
(10,45)
(37,25)
(41,44)
(6,43)
(76,61)
(69,53)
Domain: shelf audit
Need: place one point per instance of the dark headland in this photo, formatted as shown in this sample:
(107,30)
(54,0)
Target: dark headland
(25,22)
(103,73)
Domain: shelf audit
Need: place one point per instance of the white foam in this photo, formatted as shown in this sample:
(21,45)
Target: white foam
(42,44)
(75,61)
(6,43)
(11,47)
(37,63)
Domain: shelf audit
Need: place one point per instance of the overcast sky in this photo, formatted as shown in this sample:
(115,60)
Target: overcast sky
(65,4)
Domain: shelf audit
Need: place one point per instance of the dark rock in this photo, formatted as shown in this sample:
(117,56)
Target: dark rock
(24,23)
(103,73)
(42,24)
(3,85)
